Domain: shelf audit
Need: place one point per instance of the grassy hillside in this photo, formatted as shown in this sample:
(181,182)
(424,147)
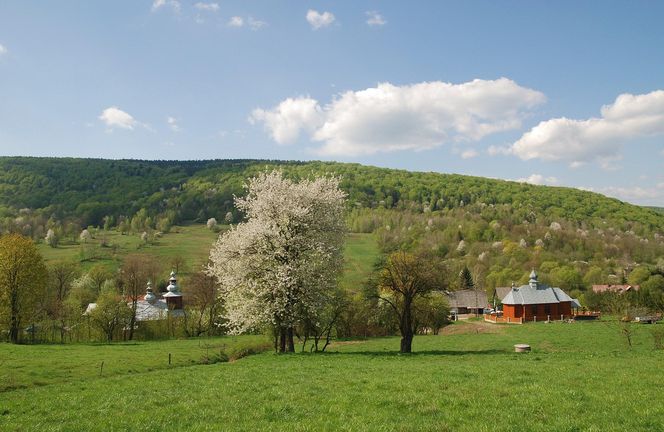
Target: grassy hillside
(192,243)
(579,377)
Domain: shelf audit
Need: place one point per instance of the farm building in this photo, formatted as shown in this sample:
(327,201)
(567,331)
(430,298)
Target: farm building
(499,294)
(467,301)
(620,289)
(537,301)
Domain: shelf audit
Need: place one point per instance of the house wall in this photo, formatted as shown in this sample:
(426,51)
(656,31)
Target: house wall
(512,311)
(540,312)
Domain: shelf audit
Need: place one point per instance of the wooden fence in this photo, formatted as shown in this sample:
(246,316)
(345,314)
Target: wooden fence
(508,320)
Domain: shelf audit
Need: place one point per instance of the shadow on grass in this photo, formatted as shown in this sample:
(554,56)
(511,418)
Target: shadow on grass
(446,353)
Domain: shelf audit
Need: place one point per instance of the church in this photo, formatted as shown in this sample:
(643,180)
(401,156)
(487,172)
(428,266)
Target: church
(151,306)
(536,301)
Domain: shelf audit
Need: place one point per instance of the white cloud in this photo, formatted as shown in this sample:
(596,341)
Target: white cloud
(173,124)
(236,21)
(495,150)
(3,50)
(287,120)
(539,179)
(375,19)
(208,7)
(255,24)
(469,154)
(173,4)
(251,22)
(319,20)
(596,139)
(114,117)
(389,118)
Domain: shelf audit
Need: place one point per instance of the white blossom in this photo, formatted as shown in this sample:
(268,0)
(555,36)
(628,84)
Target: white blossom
(282,264)
(85,236)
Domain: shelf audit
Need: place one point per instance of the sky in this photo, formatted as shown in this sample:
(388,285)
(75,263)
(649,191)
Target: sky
(565,93)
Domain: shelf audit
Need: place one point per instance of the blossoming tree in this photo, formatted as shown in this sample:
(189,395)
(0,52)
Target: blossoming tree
(280,266)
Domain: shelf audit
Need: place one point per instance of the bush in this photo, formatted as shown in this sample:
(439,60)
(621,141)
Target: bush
(657,332)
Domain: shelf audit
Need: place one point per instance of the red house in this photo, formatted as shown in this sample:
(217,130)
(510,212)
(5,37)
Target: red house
(537,301)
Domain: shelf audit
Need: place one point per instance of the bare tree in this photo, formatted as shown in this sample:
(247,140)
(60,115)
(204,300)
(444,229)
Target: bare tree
(179,264)
(135,272)
(203,304)
(61,277)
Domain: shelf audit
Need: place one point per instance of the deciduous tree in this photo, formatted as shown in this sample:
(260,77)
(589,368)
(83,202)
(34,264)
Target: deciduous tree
(111,311)
(22,281)
(280,267)
(403,279)
(61,277)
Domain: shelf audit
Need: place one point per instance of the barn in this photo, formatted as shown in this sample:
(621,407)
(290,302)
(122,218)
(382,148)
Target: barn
(468,301)
(537,301)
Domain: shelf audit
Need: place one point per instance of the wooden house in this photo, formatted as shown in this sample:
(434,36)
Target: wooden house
(537,301)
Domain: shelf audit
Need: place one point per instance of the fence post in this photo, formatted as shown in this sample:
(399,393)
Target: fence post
(534,318)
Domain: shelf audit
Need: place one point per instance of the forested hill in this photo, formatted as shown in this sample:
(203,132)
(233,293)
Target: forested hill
(95,191)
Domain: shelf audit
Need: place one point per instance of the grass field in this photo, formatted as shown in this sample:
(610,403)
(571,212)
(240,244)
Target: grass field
(193,243)
(579,376)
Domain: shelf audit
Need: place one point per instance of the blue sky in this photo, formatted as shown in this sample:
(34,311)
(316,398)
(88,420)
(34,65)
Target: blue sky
(563,93)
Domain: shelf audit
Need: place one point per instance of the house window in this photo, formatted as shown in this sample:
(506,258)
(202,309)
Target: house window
(534,310)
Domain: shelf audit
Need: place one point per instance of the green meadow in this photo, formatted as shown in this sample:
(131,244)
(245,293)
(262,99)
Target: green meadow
(192,243)
(578,377)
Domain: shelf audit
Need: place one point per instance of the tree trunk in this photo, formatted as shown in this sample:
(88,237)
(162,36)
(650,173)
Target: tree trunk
(14,323)
(407,342)
(406,327)
(132,321)
(62,331)
(291,344)
(13,331)
(282,340)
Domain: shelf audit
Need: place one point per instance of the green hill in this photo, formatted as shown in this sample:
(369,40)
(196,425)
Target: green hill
(498,229)
(87,190)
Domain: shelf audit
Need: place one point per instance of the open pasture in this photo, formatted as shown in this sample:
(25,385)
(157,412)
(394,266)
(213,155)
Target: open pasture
(580,376)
